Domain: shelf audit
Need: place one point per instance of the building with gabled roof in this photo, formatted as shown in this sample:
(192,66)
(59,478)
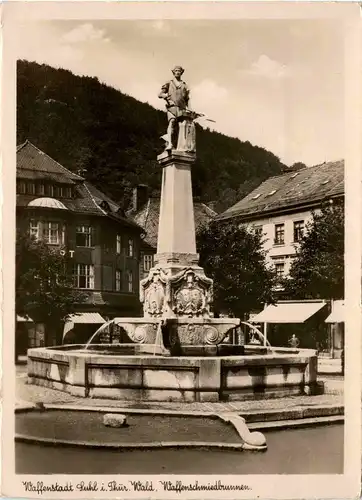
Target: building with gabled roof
(63,209)
(281,207)
(291,191)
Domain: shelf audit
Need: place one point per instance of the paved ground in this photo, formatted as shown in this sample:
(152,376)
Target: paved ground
(329,366)
(35,394)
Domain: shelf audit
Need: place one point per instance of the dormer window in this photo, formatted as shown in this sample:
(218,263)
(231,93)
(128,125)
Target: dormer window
(256,196)
(325,182)
(294,175)
(60,191)
(30,188)
(21,187)
(105,206)
(49,190)
(272,192)
(40,189)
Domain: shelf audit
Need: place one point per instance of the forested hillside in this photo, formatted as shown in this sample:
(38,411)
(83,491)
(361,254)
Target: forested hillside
(86,125)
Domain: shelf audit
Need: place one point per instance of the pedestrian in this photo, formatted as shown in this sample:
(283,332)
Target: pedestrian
(294,341)
(342,361)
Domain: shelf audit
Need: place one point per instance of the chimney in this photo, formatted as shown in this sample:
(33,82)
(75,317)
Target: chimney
(140,197)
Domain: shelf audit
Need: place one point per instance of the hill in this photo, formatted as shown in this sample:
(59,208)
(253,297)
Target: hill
(114,139)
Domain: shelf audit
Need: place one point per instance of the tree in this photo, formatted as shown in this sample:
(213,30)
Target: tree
(298,166)
(234,258)
(318,270)
(44,287)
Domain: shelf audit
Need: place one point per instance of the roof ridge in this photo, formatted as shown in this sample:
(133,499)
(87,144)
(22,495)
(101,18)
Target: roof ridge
(303,169)
(18,148)
(92,198)
(102,195)
(147,210)
(208,208)
(55,161)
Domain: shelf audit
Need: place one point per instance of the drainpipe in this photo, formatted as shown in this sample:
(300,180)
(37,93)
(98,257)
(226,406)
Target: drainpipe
(265,333)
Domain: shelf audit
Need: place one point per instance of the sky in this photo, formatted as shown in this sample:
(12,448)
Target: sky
(276,83)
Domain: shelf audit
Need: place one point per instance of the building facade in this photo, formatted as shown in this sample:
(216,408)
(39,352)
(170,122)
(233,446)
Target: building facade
(61,208)
(282,207)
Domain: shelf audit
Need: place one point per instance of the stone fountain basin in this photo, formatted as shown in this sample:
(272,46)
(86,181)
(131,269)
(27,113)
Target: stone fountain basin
(181,331)
(133,373)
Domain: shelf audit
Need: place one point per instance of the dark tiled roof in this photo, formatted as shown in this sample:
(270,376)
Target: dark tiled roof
(34,164)
(31,163)
(99,197)
(308,185)
(149,214)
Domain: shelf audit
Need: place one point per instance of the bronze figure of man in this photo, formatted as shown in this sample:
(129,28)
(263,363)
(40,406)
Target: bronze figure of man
(176,94)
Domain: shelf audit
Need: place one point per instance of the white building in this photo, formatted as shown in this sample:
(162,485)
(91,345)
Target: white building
(281,207)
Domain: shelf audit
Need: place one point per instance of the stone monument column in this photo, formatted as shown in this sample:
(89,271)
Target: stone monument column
(176,230)
(176,293)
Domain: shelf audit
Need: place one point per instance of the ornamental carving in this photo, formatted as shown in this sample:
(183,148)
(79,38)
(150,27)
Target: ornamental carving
(140,334)
(190,294)
(153,293)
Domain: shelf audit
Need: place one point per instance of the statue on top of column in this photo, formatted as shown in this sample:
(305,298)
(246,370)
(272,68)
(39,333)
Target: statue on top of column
(181,127)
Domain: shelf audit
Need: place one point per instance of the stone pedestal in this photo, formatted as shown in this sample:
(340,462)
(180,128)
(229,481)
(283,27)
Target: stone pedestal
(176,229)
(176,290)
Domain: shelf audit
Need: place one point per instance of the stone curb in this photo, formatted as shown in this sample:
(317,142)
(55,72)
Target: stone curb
(297,423)
(293,414)
(251,416)
(21,438)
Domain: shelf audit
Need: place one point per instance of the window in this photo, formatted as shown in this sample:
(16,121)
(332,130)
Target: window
(298,230)
(83,276)
(258,230)
(49,189)
(272,192)
(40,189)
(68,192)
(119,244)
(83,236)
(130,247)
(130,281)
(60,191)
(256,196)
(279,234)
(279,270)
(147,262)
(21,187)
(118,280)
(52,233)
(30,188)
(35,337)
(34,229)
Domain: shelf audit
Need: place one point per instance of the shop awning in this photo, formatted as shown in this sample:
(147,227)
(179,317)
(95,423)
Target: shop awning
(288,312)
(23,319)
(337,314)
(86,317)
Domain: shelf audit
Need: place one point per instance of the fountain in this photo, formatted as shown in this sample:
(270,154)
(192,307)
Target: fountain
(175,351)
